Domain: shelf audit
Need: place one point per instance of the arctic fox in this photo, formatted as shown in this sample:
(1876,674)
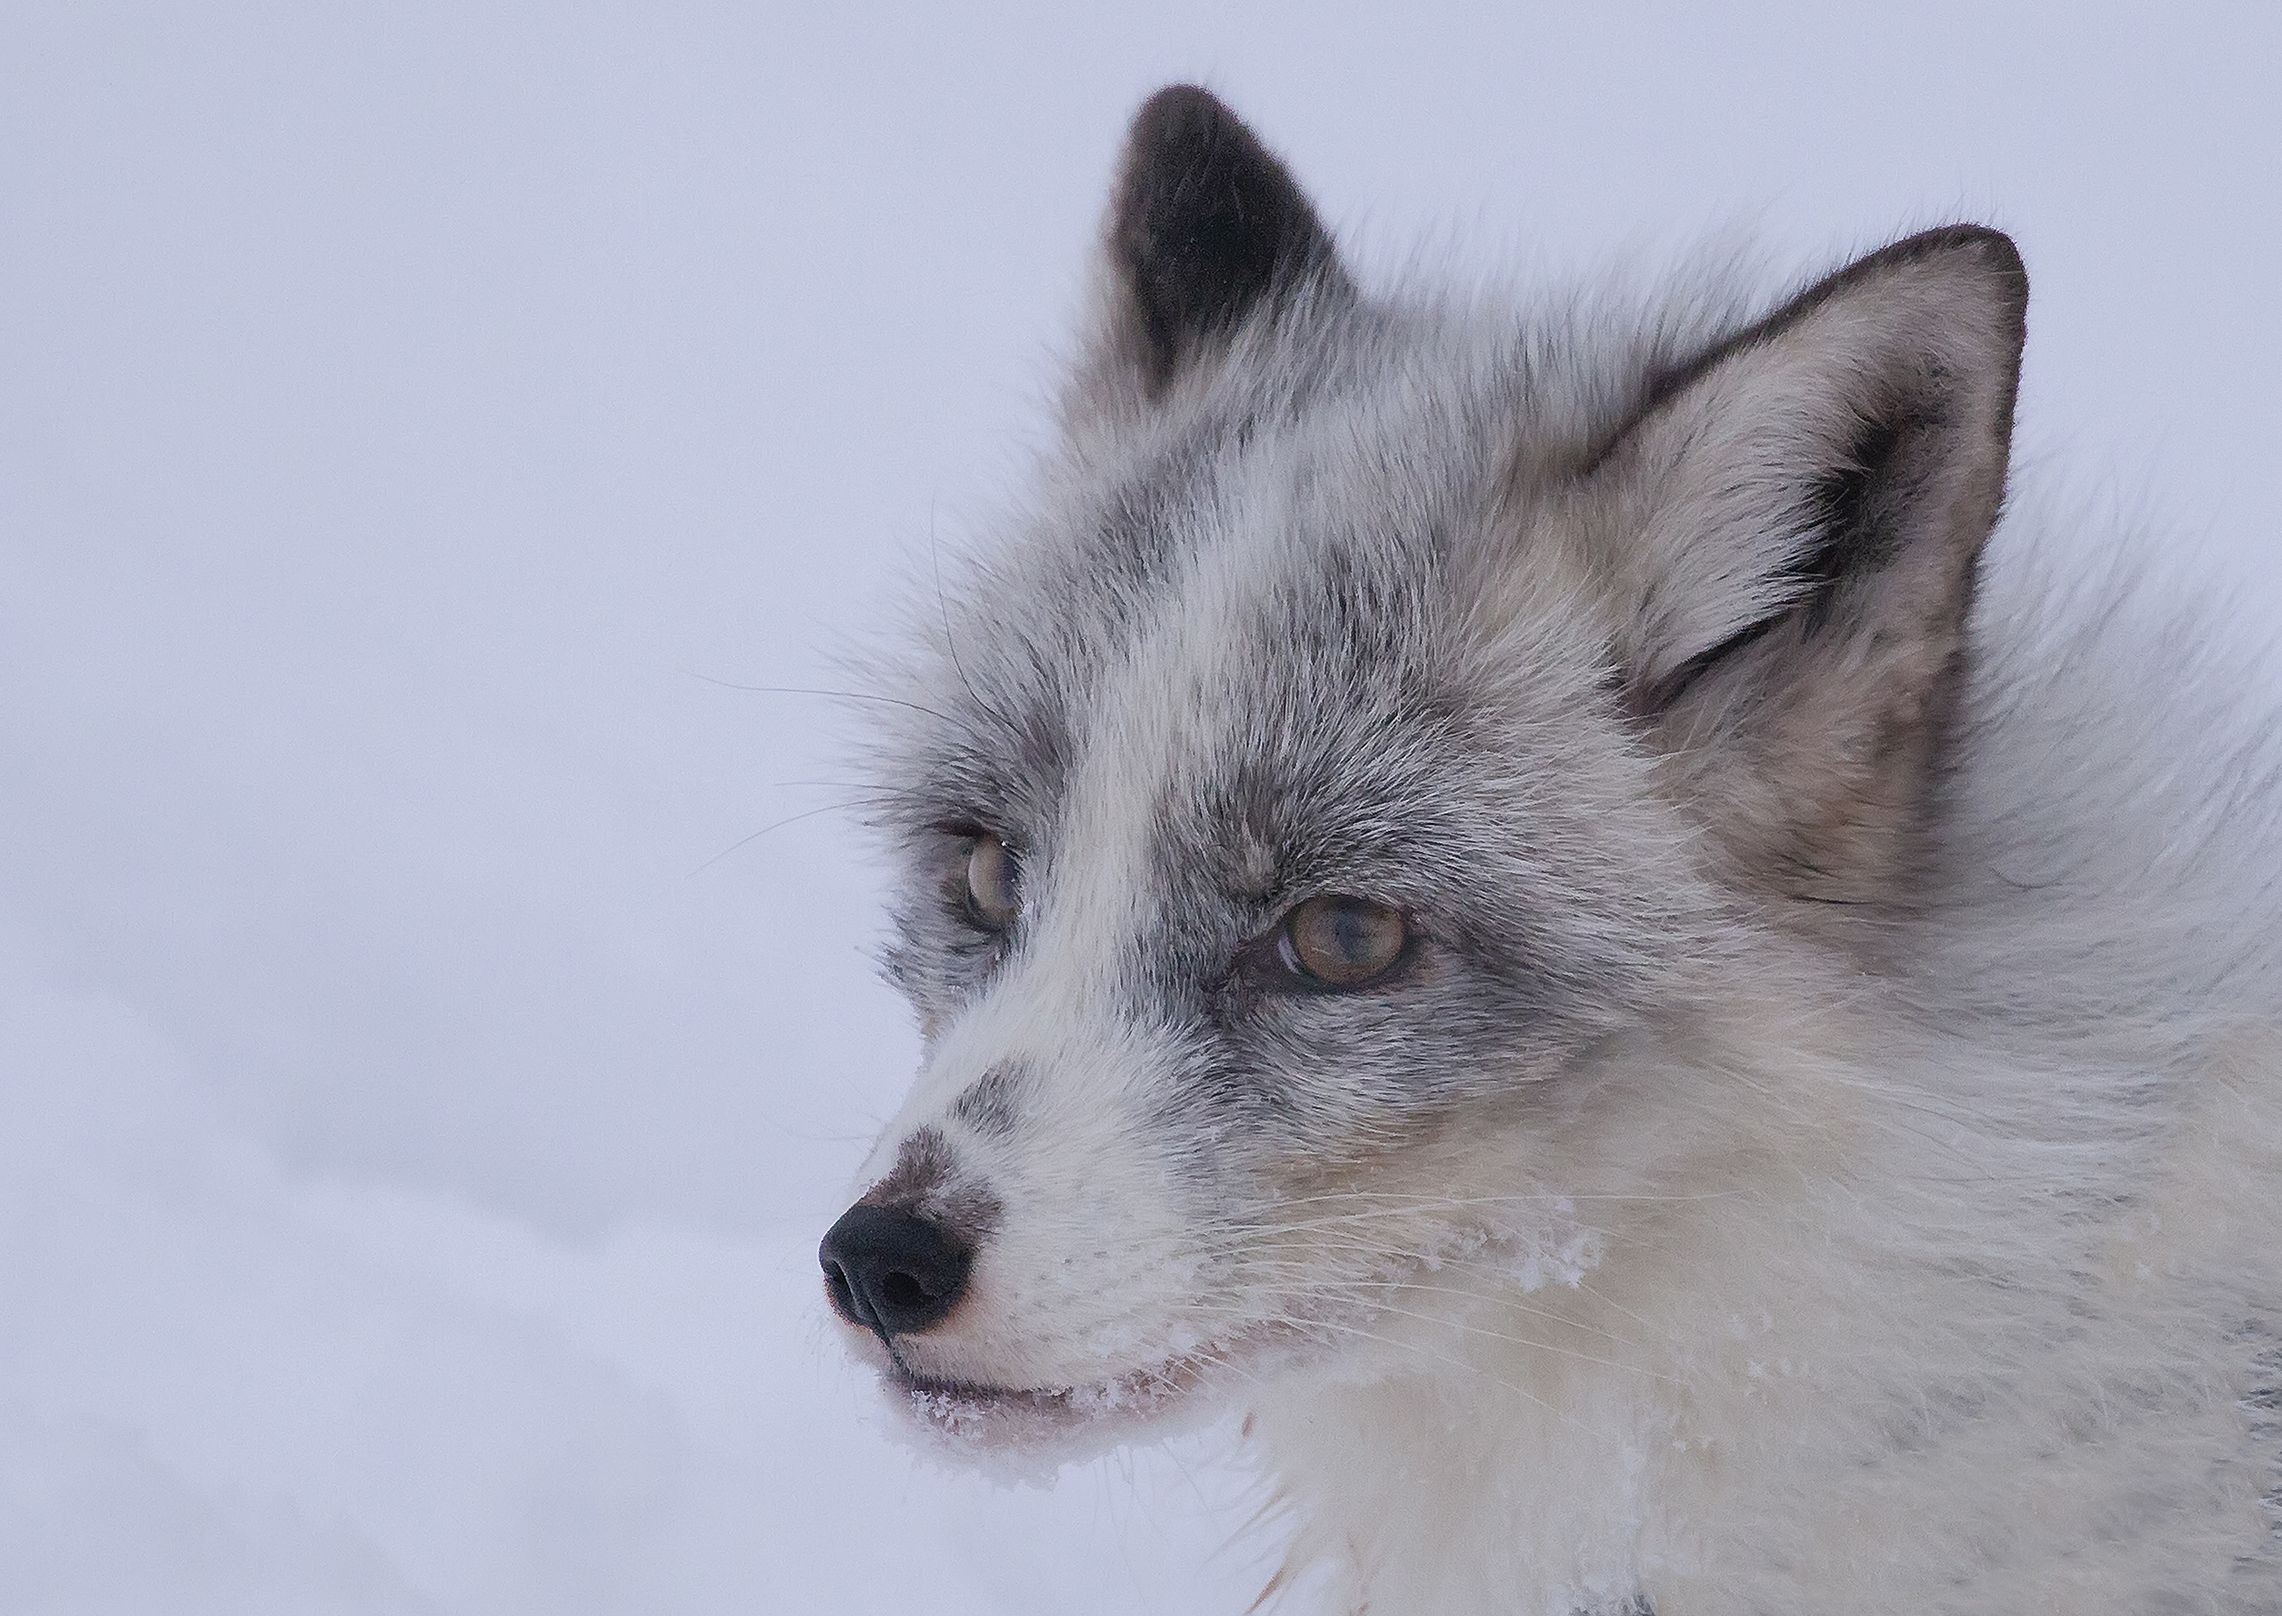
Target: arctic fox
(1548,904)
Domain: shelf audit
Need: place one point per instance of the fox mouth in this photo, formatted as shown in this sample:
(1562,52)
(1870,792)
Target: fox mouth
(973,1414)
(1024,1425)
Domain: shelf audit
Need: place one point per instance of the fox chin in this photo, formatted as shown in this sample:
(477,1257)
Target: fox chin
(1578,908)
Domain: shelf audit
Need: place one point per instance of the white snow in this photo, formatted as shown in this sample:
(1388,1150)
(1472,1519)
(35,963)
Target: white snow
(419,1100)
(1564,1254)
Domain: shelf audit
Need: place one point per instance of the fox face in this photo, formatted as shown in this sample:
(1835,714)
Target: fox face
(1341,830)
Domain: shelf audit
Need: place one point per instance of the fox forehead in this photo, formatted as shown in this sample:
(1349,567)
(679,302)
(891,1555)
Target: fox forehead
(1259,654)
(1219,586)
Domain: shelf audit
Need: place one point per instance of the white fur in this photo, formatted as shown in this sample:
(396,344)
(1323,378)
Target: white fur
(1780,1249)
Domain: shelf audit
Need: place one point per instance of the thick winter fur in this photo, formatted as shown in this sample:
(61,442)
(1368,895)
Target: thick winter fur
(1822,1152)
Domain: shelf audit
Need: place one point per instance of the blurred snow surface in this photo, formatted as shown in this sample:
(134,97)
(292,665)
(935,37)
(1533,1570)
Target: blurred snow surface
(419,1100)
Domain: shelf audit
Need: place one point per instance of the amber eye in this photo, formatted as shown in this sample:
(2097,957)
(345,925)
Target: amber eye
(1342,942)
(994,893)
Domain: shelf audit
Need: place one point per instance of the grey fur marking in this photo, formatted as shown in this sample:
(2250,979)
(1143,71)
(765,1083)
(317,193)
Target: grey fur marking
(990,1104)
(1822,1149)
(926,1178)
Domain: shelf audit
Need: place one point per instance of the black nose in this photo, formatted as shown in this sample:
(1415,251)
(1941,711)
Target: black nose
(891,1270)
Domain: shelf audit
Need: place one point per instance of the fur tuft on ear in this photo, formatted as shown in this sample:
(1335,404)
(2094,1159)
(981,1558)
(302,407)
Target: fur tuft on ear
(1792,523)
(1205,229)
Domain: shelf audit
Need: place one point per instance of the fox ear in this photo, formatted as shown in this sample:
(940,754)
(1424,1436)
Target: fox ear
(1206,228)
(1795,521)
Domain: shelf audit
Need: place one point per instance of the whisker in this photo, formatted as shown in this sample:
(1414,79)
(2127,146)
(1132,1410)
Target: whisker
(1525,1341)
(1434,1200)
(1305,1325)
(754,836)
(830,695)
(1498,1299)
(1305,1276)
(1607,1301)
(1350,1219)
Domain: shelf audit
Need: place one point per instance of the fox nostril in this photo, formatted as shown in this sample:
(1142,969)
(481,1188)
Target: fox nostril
(901,1290)
(891,1270)
(843,1294)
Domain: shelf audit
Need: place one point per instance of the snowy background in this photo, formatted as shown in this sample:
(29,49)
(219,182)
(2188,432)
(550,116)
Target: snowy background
(419,1100)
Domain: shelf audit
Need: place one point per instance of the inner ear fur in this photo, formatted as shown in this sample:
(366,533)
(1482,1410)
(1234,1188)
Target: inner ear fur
(1791,526)
(1206,230)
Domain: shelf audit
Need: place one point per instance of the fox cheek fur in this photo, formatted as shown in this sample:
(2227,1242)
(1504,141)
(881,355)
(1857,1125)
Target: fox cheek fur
(1776,1106)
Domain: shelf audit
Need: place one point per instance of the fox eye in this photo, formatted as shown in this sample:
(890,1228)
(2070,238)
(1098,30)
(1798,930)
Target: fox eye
(994,895)
(1342,942)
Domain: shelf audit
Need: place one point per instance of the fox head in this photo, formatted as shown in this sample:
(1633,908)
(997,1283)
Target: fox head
(1347,830)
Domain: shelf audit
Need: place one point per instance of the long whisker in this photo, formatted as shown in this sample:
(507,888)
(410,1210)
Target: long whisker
(1522,1341)
(1348,1220)
(830,695)
(1606,1301)
(1303,1275)
(1304,1326)
(780,824)
(950,640)
(1302,1255)
(1509,1303)
(1429,1199)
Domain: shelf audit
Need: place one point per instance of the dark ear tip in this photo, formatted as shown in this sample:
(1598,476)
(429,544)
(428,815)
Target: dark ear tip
(1205,228)
(1961,237)
(1990,250)
(1176,112)
(1183,131)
